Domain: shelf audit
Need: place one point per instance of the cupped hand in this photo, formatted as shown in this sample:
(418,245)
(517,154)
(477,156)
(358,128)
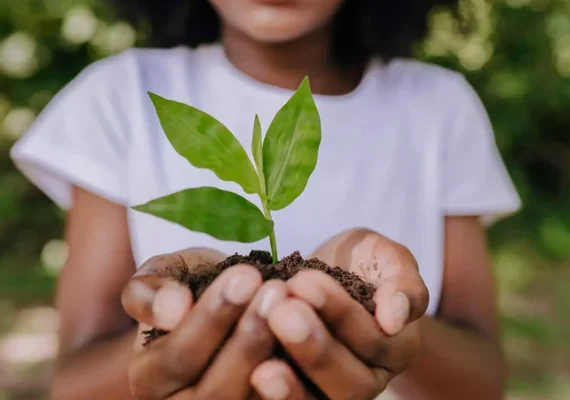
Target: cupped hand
(345,351)
(199,359)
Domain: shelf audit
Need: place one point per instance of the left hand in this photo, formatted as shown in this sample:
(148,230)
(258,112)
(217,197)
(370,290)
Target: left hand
(345,351)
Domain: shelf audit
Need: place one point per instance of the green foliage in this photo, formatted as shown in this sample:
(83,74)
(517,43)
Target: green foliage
(290,148)
(285,160)
(222,214)
(205,142)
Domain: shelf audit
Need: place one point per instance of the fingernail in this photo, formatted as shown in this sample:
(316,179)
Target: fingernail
(292,328)
(274,388)
(268,298)
(142,291)
(169,306)
(399,310)
(240,289)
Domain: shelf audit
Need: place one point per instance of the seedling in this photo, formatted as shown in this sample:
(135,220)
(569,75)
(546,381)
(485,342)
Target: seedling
(284,161)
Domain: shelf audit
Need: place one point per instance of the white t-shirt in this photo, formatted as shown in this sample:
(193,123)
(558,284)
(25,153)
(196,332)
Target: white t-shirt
(410,145)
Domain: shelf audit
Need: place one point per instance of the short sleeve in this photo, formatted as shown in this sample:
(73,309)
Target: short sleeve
(81,137)
(475,180)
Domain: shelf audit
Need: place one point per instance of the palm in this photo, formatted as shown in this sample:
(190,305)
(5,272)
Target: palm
(362,252)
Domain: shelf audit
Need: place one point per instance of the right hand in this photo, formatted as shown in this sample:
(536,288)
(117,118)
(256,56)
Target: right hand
(195,361)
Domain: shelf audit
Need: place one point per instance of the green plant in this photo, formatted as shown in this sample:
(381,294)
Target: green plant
(284,161)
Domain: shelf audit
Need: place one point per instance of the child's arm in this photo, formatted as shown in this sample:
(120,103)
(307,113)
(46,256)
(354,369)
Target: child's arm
(96,336)
(461,355)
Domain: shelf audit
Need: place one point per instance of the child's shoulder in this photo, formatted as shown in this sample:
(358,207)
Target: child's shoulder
(421,73)
(425,82)
(143,62)
(137,68)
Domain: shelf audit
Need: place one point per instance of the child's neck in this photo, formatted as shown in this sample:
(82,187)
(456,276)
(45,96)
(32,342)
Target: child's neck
(285,65)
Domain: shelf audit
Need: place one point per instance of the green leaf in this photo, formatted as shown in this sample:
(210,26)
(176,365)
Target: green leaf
(290,148)
(205,142)
(219,213)
(256,146)
(257,151)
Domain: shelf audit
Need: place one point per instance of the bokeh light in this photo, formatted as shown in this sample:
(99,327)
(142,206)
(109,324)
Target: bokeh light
(79,25)
(18,55)
(16,121)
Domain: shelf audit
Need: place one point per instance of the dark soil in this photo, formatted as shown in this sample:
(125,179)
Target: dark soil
(199,278)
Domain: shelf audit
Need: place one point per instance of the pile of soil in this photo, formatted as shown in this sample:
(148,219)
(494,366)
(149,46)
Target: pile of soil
(199,278)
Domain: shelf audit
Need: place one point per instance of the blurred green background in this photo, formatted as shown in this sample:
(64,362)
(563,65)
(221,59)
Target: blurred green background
(517,55)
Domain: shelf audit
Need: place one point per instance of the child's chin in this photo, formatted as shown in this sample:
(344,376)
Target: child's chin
(276,28)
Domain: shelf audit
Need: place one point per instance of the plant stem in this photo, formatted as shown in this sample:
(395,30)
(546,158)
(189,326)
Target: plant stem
(272,241)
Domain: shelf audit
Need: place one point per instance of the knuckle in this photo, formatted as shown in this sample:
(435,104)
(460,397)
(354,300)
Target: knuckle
(153,264)
(363,231)
(170,265)
(201,255)
(403,256)
(420,294)
(423,295)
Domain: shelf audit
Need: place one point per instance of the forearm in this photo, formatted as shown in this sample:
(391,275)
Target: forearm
(453,364)
(97,372)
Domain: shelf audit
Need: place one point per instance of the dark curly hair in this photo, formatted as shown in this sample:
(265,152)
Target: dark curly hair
(362,29)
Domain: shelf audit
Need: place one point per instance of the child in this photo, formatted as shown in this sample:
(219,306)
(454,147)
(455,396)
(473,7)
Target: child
(407,151)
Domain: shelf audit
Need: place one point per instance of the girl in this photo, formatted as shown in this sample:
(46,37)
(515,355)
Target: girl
(407,151)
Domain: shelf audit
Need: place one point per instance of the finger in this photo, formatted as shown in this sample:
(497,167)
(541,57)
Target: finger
(341,313)
(155,301)
(328,363)
(251,343)
(401,295)
(400,300)
(145,301)
(178,359)
(380,260)
(275,380)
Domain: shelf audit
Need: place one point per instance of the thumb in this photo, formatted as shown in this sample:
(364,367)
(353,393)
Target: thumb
(156,301)
(154,297)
